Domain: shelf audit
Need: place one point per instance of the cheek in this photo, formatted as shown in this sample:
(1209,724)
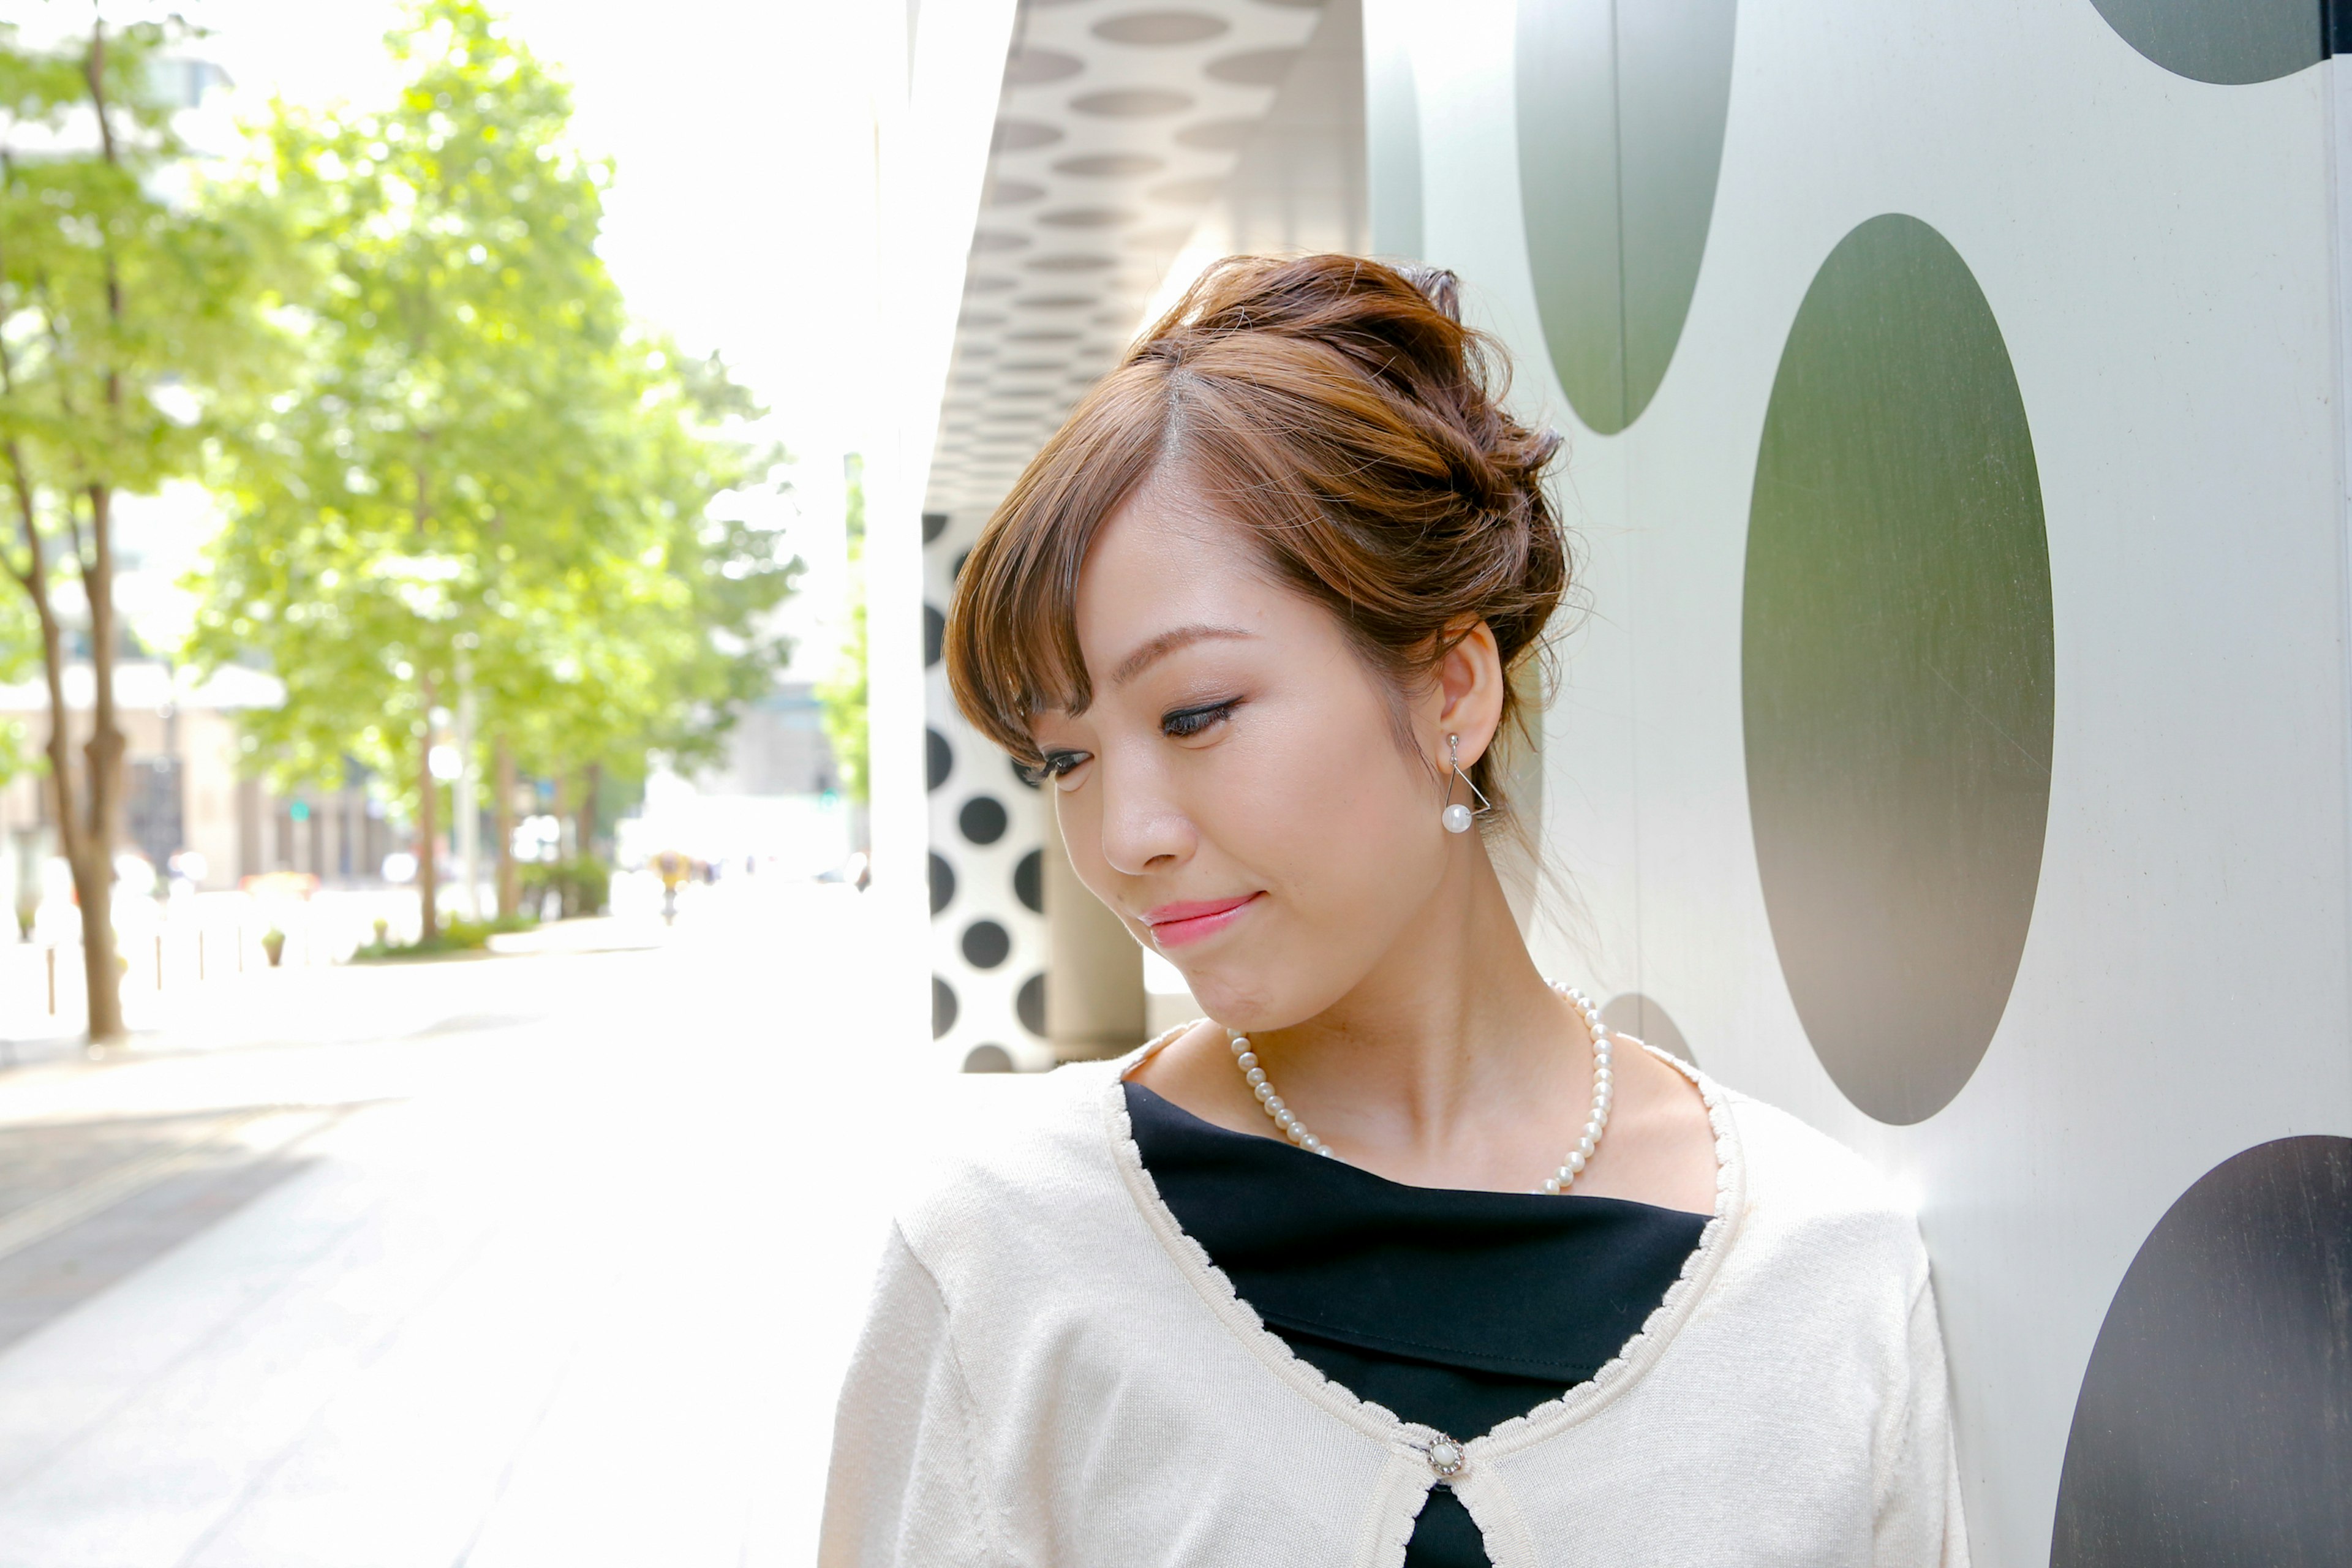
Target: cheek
(1332,809)
(1077,816)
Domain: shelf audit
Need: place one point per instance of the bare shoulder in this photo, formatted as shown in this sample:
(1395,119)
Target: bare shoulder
(1195,1072)
(1660,1147)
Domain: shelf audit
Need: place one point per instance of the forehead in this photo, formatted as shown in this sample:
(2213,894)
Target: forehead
(1166,557)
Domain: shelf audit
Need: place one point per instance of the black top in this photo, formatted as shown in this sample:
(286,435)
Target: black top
(1457,1309)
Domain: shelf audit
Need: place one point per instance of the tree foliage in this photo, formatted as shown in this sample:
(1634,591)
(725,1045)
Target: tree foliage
(132,313)
(482,473)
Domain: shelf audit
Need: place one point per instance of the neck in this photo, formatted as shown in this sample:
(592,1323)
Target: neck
(1451,1028)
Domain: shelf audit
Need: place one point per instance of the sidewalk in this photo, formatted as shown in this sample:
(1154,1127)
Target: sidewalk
(550,1259)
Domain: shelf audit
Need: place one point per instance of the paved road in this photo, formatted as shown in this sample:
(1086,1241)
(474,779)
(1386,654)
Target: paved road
(547,1260)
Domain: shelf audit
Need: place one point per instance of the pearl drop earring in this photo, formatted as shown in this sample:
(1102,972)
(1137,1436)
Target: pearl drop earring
(1457,817)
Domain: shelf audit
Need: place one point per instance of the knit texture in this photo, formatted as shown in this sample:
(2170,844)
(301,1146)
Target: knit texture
(1051,1373)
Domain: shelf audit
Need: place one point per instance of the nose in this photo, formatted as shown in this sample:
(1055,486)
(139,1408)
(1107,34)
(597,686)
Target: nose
(1143,830)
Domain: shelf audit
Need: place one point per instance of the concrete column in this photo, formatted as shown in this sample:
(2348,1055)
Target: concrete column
(1093,976)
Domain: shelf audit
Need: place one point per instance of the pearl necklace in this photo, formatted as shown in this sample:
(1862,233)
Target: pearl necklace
(1604,1087)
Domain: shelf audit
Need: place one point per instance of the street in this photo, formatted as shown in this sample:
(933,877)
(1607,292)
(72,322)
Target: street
(543,1258)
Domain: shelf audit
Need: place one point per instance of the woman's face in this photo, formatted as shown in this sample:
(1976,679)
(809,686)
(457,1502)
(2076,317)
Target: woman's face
(1236,792)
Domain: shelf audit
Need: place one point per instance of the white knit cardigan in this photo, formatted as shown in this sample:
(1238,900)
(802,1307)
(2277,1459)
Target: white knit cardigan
(1054,1374)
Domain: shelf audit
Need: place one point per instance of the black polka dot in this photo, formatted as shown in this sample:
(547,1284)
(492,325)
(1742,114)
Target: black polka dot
(988,1058)
(1634,1013)
(955,572)
(982,819)
(934,524)
(943,1007)
(1897,666)
(1621,135)
(1029,881)
(935,631)
(1028,780)
(943,884)
(986,944)
(938,759)
(2230,42)
(1030,1004)
(2214,1427)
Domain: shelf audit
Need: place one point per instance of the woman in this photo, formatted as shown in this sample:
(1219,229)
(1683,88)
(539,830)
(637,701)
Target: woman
(1400,1255)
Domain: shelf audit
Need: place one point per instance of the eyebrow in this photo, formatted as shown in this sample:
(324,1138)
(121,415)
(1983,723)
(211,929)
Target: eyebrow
(1166,643)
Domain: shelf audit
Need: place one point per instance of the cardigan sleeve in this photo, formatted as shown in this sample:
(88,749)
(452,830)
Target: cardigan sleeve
(903,1489)
(1918,1522)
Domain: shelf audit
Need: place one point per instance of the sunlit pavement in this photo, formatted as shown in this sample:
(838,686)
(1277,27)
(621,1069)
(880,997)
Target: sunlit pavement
(543,1258)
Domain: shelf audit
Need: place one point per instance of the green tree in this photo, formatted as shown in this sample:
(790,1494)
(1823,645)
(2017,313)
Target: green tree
(485,479)
(843,696)
(127,320)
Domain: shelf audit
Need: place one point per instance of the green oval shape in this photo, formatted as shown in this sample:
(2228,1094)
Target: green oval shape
(1621,118)
(2231,43)
(1896,666)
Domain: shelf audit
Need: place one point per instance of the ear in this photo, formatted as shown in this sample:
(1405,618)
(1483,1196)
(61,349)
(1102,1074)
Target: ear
(1469,692)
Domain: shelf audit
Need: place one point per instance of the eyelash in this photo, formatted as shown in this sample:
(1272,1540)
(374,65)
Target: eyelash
(1053,767)
(1185,722)
(1179,725)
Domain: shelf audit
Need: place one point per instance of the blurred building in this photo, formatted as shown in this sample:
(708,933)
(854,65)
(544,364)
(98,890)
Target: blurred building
(773,805)
(187,804)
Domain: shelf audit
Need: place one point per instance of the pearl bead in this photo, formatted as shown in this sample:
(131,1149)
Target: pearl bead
(1458,819)
(1288,1122)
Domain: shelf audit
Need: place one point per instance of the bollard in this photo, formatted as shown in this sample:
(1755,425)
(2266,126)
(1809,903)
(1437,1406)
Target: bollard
(53,979)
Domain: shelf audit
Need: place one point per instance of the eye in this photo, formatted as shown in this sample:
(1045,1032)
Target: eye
(1183,723)
(1055,765)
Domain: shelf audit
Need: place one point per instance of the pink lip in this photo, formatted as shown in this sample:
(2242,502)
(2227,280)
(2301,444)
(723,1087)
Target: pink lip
(1174,925)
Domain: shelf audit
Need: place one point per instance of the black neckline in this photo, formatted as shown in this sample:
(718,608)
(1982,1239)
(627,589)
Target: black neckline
(1517,1284)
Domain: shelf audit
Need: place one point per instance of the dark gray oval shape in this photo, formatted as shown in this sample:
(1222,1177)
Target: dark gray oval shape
(1896,669)
(986,944)
(2232,43)
(2214,1425)
(1029,1005)
(988,1057)
(982,819)
(1620,119)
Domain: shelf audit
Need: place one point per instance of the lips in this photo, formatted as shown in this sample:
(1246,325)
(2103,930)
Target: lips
(1174,925)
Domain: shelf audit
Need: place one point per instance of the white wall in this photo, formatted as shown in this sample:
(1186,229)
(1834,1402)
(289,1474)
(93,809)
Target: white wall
(2159,256)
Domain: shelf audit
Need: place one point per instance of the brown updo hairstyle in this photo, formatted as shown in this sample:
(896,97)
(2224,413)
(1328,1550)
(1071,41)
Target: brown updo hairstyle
(1336,410)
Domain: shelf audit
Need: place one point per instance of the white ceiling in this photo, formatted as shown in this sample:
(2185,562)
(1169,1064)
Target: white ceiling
(1119,131)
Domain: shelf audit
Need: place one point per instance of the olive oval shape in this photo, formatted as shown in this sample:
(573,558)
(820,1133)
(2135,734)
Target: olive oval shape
(1896,669)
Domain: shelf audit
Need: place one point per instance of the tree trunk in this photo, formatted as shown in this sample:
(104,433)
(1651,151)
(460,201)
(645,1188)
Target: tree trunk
(94,870)
(591,781)
(428,825)
(502,823)
(102,782)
